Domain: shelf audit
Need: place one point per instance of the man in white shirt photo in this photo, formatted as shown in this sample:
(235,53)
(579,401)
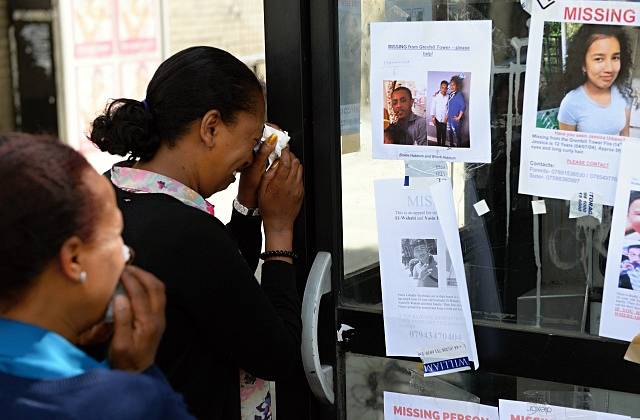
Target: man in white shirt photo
(439,112)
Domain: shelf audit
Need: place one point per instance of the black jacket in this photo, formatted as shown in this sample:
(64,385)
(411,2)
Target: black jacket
(219,319)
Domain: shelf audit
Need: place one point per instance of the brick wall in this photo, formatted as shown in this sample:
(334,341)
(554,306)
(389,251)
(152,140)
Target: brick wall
(233,25)
(6,101)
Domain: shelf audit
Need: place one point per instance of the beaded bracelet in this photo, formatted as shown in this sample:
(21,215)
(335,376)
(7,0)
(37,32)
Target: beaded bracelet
(278,253)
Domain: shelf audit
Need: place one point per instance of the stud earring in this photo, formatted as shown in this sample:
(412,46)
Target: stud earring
(83,277)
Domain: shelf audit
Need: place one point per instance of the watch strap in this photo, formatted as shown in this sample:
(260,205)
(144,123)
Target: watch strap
(245,211)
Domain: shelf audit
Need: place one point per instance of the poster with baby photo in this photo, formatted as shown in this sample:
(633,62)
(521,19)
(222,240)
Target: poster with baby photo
(580,100)
(424,103)
(620,317)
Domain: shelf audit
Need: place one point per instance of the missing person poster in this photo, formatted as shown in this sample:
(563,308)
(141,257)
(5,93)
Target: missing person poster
(424,291)
(400,406)
(430,90)
(580,104)
(521,410)
(620,316)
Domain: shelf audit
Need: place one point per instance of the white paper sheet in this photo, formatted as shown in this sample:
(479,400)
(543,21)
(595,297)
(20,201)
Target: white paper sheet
(418,56)
(620,316)
(402,406)
(539,207)
(481,207)
(561,163)
(520,410)
(424,291)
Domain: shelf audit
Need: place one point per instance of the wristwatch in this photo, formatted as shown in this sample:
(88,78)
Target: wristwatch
(245,211)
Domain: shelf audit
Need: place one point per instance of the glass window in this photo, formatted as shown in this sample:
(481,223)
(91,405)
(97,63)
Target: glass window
(542,272)
(367,377)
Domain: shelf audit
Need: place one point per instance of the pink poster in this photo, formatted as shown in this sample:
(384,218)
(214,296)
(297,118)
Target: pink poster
(138,30)
(93,27)
(135,76)
(96,84)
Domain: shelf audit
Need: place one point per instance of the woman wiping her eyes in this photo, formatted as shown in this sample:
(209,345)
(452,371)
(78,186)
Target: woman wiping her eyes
(226,334)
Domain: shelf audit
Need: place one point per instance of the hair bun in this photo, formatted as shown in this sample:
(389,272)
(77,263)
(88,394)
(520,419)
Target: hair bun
(125,128)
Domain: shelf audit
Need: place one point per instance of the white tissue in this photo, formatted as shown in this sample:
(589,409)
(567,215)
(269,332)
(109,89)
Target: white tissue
(283,140)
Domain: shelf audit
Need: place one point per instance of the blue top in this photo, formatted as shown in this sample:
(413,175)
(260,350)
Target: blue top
(32,352)
(578,109)
(456,105)
(44,376)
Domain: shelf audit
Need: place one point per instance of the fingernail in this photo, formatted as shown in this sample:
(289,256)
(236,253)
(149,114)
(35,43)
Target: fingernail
(272,140)
(275,164)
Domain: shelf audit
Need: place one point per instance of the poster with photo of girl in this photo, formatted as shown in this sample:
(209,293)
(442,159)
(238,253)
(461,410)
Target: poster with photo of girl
(580,99)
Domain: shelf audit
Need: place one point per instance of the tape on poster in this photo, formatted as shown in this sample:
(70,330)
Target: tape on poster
(426,168)
(481,207)
(533,6)
(538,207)
(586,204)
(418,183)
(443,358)
(424,173)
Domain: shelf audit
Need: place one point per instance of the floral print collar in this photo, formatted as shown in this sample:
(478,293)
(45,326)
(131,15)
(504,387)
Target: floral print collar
(141,181)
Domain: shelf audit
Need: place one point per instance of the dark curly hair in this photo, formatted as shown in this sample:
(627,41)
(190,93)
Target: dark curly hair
(579,44)
(459,81)
(184,88)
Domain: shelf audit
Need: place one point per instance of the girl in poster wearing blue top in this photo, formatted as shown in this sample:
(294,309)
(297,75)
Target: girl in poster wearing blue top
(597,79)
(455,111)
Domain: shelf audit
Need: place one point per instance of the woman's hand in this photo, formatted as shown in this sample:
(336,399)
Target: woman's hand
(250,177)
(281,193)
(95,335)
(138,321)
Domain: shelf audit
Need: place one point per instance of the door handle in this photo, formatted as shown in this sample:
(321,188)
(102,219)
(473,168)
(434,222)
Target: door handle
(320,377)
